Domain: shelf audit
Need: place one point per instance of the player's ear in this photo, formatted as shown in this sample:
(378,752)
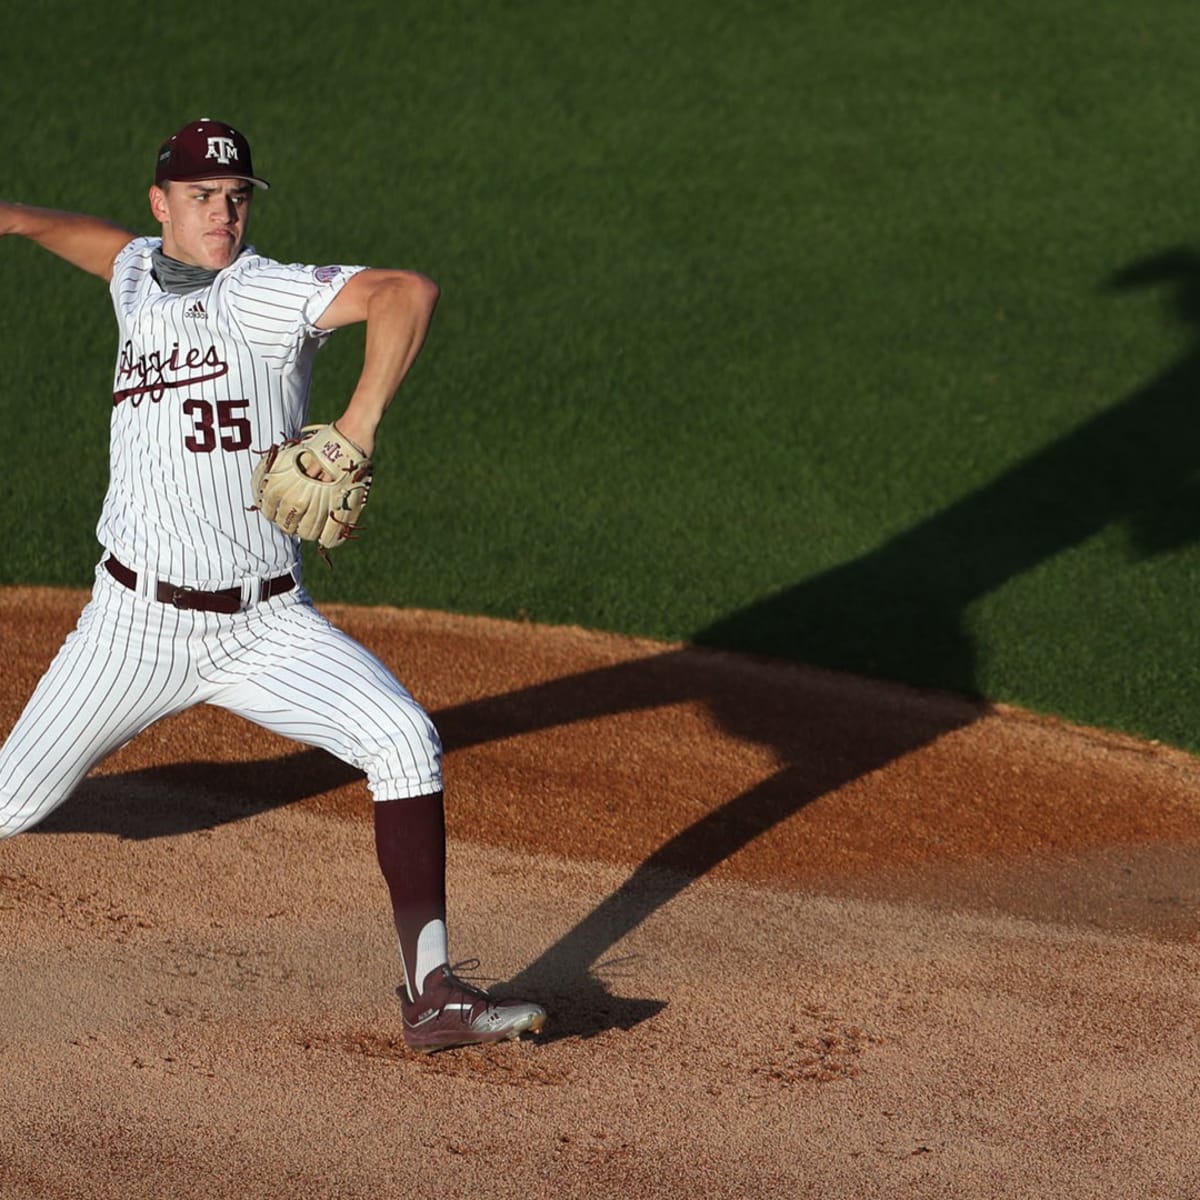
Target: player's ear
(158,203)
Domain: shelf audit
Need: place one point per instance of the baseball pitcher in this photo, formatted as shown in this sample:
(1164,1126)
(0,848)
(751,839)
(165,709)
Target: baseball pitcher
(198,597)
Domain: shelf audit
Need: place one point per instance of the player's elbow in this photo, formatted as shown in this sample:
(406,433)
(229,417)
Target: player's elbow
(425,293)
(407,291)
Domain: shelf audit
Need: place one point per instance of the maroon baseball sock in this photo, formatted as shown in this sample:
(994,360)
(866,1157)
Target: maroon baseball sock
(410,842)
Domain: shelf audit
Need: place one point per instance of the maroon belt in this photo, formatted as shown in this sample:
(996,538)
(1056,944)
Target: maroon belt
(227,600)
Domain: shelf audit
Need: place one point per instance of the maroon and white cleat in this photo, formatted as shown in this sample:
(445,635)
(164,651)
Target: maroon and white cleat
(450,1012)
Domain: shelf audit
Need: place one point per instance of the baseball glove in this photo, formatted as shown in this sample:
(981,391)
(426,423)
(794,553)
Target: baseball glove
(325,509)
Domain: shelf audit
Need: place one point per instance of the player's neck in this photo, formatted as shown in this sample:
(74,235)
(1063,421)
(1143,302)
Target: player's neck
(177,277)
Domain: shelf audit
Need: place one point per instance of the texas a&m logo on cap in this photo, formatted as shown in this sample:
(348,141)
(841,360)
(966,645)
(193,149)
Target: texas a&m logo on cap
(223,149)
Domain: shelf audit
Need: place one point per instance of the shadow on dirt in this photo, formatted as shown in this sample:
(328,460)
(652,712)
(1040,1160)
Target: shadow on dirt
(203,795)
(896,613)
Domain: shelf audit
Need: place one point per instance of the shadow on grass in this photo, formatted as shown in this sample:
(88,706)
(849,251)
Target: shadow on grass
(896,613)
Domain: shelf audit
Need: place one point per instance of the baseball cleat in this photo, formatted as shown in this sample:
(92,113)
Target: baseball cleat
(450,1012)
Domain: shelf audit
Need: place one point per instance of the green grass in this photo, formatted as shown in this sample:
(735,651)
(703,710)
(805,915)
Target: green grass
(790,328)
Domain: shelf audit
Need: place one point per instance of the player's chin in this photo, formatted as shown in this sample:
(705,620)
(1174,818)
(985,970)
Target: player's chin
(221,251)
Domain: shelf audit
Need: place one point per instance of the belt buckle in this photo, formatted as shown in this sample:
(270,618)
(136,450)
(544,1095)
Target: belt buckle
(178,594)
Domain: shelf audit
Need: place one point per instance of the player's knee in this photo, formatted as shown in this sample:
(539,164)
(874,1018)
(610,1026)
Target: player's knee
(398,749)
(408,762)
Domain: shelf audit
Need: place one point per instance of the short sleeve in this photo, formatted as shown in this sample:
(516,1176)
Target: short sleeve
(278,305)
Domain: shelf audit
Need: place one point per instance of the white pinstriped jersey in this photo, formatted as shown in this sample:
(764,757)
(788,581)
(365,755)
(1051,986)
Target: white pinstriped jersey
(203,382)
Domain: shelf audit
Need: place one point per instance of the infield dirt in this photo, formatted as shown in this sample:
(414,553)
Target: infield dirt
(798,934)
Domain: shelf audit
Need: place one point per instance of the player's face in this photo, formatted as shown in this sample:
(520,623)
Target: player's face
(203,223)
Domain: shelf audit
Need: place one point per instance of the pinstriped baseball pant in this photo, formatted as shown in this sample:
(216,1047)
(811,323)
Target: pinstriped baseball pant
(131,661)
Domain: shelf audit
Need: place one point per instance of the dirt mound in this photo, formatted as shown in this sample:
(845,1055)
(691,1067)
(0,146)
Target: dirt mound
(798,934)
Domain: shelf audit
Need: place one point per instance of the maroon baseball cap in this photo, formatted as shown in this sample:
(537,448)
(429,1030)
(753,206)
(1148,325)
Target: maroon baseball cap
(206,149)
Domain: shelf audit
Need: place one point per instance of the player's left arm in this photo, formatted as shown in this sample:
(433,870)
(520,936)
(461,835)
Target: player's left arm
(398,308)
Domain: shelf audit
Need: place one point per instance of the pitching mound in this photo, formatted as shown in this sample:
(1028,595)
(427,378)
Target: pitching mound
(799,935)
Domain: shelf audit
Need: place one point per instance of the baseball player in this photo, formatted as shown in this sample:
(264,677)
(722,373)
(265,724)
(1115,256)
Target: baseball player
(198,597)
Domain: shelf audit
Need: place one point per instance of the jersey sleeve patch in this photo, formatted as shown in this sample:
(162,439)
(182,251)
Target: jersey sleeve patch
(326,274)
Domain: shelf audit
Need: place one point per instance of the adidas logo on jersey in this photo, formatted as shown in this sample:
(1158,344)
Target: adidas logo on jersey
(195,310)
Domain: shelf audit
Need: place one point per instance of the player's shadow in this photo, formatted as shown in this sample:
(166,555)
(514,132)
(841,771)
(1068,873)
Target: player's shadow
(897,612)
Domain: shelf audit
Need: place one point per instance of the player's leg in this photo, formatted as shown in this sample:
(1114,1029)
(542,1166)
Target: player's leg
(319,686)
(113,676)
(313,683)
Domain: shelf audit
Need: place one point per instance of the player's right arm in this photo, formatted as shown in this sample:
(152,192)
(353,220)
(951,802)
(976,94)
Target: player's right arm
(85,242)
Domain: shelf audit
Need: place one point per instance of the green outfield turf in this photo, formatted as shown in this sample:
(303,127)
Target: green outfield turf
(858,333)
